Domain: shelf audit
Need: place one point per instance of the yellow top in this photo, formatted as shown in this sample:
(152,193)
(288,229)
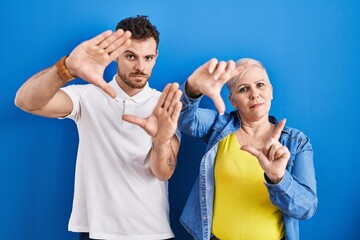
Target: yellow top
(242,207)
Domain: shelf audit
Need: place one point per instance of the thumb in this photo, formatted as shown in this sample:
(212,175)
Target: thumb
(106,88)
(110,91)
(219,103)
(263,160)
(134,120)
(252,150)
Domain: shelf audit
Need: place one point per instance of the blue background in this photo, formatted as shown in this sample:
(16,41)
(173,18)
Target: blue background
(310,48)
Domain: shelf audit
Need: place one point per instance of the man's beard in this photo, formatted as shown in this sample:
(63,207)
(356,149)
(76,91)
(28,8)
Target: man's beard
(134,84)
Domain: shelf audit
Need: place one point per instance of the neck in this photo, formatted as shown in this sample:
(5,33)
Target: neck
(255,133)
(258,126)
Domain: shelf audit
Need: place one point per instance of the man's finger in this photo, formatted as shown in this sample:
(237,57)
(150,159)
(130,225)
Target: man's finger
(277,132)
(99,38)
(110,39)
(119,50)
(134,120)
(163,96)
(106,88)
(176,113)
(118,41)
(171,97)
(175,100)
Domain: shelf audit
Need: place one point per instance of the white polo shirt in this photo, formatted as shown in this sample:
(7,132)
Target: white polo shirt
(116,196)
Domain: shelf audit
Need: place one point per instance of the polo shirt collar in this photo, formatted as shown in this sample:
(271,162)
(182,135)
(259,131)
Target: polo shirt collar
(140,97)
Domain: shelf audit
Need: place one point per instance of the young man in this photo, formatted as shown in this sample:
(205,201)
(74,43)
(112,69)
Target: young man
(127,143)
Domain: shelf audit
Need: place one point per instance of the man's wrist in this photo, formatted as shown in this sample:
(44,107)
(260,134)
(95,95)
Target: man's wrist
(63,71)
(157,143)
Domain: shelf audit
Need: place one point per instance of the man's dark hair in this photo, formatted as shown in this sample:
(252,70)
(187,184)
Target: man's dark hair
(140,28)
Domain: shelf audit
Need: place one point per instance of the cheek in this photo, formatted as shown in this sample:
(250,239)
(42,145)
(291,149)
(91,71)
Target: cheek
(150,66)
(124,65)
(239,102)
(267,95)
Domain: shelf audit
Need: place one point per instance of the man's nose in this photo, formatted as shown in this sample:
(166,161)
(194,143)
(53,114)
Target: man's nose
(140,66)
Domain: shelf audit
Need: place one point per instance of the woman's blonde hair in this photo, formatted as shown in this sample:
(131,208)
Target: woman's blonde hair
(247,63)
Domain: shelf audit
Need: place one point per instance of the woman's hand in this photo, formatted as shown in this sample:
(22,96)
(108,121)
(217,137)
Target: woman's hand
(209,78)
(273,157)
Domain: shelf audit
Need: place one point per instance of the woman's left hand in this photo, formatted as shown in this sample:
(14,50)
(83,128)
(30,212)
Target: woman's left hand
(273,157)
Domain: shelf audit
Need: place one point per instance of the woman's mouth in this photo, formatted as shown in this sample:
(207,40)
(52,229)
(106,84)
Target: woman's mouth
(256,105)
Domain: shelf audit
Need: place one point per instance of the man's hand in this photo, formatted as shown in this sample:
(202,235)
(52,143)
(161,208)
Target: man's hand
(273,157)
(209,79)
(161,124)
(89,59)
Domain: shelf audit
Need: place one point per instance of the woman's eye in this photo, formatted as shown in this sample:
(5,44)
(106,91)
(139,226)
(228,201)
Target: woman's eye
(242,90)
(259,85)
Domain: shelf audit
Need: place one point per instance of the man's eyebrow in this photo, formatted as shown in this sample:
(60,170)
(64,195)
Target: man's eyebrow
(128,51)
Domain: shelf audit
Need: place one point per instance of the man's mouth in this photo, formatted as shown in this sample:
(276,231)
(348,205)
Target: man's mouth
(138,75)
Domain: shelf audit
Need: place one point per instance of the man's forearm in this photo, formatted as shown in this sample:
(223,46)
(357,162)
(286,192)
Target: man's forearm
(39,89)
(163,159)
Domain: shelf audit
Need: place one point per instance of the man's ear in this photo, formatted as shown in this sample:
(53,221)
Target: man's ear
(157,54)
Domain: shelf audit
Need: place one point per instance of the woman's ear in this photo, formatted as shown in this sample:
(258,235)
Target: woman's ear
(232,101)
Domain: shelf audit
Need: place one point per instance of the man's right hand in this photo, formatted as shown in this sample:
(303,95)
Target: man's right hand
(89,59)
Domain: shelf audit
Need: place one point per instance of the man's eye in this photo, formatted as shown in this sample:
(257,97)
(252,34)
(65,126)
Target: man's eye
(148,59)
(130,57)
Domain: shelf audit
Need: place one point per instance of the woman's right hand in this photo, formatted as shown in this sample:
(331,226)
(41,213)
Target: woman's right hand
(209,78)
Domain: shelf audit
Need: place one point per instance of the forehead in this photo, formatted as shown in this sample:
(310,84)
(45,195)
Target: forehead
(252,74)
(142,47)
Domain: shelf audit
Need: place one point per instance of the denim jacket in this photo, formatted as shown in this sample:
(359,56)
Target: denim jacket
(295,195)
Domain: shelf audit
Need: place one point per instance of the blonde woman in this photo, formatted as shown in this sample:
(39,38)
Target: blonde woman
(257,178)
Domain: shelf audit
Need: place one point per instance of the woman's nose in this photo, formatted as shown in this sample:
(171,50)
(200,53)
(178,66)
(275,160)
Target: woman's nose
(254,94)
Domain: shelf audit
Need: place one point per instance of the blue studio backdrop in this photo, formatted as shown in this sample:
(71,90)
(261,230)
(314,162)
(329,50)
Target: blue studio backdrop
(311,51)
